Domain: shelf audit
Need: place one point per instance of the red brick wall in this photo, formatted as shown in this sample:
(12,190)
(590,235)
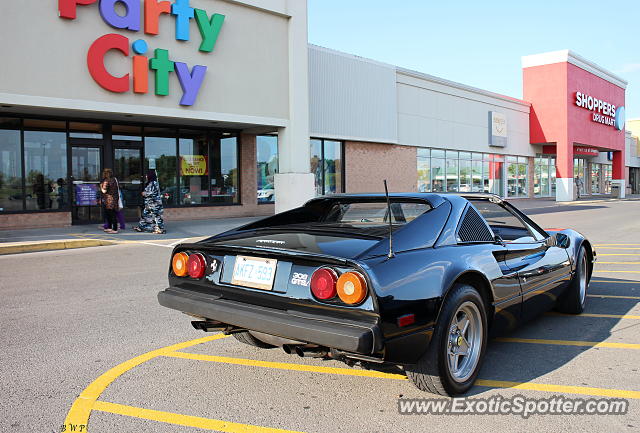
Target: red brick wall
(367,164)
(35,220)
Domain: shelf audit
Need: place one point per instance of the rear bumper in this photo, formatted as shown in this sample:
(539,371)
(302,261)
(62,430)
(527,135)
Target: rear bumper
(346,336)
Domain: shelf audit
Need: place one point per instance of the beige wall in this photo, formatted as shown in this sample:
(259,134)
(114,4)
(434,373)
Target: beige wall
(44,62)
(368,164)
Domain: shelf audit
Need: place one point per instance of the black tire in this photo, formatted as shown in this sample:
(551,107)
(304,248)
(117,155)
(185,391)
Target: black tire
(574,298)
(246,338)
(432,372)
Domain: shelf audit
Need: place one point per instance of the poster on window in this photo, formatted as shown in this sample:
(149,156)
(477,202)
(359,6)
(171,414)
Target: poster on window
(86,194)
(194,165)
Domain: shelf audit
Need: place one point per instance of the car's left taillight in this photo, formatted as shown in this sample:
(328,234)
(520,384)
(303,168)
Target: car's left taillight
(184,264)
(179,264)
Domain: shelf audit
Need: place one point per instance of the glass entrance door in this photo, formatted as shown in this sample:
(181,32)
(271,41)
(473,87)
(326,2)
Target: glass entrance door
(86,165)
(128,170)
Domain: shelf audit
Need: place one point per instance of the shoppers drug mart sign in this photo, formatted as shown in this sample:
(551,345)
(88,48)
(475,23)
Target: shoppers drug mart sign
(602,111)
(158,64)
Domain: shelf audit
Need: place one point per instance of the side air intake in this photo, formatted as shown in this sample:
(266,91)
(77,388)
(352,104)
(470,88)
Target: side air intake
(473,228)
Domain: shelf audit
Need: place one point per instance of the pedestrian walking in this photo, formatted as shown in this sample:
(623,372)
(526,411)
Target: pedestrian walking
(151,220)
(579,184)
(110,198)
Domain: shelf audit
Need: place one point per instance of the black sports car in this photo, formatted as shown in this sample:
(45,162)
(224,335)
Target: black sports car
(418,280)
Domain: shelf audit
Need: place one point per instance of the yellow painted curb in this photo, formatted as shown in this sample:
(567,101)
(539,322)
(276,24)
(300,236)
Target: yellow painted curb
(64,244)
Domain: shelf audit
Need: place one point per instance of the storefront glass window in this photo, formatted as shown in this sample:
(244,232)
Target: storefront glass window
(267,159)
(85,130)
(126,133)
(608,173)
(465,175)
(424,170)
(495,181)
(544,171)
(326,164)
(45,156)
(476,176)
(438,168)
(517,176)
(226,188)
(160,153)
(10,168)
(595,178)
(332,167)
(193,166)
(452,173)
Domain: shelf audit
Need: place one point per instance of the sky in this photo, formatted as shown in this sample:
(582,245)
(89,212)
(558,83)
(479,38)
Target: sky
(480,43)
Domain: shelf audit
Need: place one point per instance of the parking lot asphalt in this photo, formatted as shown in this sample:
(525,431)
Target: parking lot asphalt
(85,342)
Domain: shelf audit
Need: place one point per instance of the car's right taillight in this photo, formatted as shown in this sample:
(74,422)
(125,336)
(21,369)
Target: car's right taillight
(323,283)
(179,264)
(351,288)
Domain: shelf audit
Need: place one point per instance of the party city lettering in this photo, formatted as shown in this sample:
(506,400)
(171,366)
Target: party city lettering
(190,79)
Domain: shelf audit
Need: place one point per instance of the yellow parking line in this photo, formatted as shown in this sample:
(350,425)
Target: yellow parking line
(567,389)
(605,316)
(618,245)
(582,390)
(183,420)
(614,282)
(285,365)
(619,272)
(569,343)
(82,406)
(618,263)
(613,296)
(617,248)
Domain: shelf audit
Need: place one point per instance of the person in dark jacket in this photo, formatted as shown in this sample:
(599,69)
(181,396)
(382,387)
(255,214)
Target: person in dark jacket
(109,189)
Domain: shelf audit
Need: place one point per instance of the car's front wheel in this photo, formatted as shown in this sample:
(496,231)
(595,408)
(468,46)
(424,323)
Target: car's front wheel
(574,298)
(451,364)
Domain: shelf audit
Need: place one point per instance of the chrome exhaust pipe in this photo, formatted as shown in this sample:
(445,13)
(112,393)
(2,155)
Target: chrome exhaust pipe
(288,348)
(208,326)
(311,351)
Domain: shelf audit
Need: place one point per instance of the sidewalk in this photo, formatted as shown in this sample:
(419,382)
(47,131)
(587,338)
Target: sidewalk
(18,241)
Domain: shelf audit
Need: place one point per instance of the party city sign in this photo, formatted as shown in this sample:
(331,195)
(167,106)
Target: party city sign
(190,79)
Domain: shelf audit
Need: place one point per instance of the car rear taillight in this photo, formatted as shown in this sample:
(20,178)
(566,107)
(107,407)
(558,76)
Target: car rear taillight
(323,283)
(351,287)
(196,265)
(179,264)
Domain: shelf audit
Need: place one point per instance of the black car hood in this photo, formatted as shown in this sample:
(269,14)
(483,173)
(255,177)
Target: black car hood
(327,244)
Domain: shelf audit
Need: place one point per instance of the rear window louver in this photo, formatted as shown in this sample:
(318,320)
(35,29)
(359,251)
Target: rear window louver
(473,228)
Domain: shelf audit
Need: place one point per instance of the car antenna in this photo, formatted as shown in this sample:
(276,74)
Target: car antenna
(386,193)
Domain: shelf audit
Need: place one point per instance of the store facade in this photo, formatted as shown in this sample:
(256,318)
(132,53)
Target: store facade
(143,84)
(240,116)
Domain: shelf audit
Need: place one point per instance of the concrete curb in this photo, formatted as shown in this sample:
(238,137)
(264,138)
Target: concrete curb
(63,244)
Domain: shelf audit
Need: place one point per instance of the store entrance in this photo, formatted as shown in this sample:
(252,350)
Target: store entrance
(86,167)
(127,164)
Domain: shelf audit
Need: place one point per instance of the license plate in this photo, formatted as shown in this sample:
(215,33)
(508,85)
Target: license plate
(255,272)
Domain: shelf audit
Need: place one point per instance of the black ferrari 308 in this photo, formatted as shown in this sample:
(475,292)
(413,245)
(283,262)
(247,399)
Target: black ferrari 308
(417,280)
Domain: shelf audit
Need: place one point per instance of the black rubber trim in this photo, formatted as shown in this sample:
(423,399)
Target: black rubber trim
(330,333)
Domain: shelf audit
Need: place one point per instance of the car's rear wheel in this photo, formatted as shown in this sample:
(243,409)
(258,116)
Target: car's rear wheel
(246,338)
(573,300)
(451,364)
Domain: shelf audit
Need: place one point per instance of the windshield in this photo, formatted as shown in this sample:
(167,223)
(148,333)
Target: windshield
(374,214)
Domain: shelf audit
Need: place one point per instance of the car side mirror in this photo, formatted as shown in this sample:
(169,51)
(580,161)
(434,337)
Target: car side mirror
(559,240)
(563,241)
